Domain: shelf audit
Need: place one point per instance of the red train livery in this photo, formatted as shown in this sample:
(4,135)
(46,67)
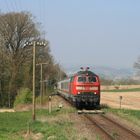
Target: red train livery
(83,89)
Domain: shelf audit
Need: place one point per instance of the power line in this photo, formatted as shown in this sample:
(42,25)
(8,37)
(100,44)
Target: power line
(12,5)
(16,5)
(42,5)
(44,17)
(7,5)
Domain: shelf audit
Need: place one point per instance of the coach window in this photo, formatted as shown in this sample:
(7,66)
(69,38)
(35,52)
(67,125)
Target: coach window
(92,79)
(81,79)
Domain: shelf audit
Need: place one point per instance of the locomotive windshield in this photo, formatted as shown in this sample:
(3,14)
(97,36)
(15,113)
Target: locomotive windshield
(92,79)
(81,79)
(87,79)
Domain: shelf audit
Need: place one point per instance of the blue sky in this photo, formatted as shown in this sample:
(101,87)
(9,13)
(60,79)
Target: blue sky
(87,32)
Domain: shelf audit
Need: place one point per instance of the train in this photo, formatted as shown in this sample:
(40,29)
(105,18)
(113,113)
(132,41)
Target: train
(82,89)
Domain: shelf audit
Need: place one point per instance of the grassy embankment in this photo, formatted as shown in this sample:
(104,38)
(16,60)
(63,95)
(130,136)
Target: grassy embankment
(122,90)
(15,126)
(130,115)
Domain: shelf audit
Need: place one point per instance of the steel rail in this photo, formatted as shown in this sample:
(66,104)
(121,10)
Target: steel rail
(110,137)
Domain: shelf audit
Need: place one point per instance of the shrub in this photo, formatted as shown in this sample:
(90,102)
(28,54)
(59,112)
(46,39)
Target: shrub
(24,97)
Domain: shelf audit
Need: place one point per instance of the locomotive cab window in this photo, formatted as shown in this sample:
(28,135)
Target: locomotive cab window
(81,79)
(92,79)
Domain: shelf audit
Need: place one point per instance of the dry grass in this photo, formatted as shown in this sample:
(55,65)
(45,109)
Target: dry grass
(7,110)
(130,100)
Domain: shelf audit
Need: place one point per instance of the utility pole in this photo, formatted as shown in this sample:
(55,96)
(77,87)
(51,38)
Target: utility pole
(34,44)
(34,61)
(41,81)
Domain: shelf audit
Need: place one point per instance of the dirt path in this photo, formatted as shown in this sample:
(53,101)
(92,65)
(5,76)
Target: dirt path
(130,100)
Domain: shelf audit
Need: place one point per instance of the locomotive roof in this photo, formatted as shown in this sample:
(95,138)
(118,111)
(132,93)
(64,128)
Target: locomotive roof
(86,72)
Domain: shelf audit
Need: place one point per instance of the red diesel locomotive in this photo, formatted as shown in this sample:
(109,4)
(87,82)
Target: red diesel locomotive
(83,89)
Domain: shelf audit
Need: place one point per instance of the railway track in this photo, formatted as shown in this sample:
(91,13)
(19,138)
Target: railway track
(106,127)
(111,129)
(101,130)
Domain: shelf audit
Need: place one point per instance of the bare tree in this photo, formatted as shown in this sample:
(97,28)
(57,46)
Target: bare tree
(16,29)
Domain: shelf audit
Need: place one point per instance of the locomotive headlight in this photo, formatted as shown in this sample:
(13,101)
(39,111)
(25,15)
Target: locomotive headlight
(93,88)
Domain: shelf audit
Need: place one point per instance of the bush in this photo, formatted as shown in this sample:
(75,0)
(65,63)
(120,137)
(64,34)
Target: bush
(24,97)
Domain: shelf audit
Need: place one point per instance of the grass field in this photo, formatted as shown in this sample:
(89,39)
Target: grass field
(14,126)
(122,90)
